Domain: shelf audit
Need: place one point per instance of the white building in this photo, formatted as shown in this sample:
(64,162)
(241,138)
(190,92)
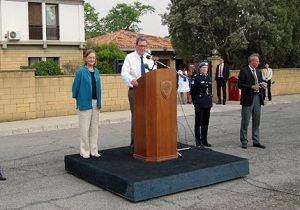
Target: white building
(34,30)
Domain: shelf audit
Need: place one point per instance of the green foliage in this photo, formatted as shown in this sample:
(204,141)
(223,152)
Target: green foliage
(126,16)
(92,23)
(122,16)
(106,57)
(45,68)
(236,28)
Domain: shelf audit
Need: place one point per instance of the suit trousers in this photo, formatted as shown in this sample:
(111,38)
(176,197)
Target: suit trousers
(221,84)
(202,116)
(247,111)
(131,104)
(88,127)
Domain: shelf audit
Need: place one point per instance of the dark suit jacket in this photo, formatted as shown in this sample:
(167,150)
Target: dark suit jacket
(246,80)
(201,91)
(225,72)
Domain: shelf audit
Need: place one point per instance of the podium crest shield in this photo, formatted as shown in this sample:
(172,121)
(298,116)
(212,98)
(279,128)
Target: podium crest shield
(166,88)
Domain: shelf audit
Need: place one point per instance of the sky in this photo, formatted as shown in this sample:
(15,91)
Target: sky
(150,23)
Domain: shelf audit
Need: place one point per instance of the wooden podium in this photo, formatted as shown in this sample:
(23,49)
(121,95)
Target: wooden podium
(155,116)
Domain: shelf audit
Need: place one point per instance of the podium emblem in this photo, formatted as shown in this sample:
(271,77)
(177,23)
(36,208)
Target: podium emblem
(166,88)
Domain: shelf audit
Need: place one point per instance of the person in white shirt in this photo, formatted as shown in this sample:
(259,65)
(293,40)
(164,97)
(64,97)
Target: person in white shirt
(135,65)
(267,74)
(183,84)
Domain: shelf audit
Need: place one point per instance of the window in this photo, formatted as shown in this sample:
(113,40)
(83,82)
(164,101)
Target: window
(55,59)
(35,21)
(33,60)
(52,26)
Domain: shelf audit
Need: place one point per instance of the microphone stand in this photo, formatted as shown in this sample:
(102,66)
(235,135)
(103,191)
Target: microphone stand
(160,63)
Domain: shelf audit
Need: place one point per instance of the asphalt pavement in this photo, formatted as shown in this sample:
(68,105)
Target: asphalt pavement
(32,152)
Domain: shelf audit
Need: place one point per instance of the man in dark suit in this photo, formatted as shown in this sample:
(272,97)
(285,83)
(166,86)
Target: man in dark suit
(2,178)
(251,84)
(222,74)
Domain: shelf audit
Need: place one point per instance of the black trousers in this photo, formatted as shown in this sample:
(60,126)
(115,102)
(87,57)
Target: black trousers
(201,125)
(221,84)
(269,91)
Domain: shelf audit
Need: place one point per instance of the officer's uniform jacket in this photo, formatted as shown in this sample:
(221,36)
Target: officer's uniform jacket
(201,91)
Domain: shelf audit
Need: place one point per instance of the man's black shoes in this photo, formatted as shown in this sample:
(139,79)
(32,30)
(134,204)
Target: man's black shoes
(207,145)
(259,145)
(199,145)
(244,146)
(2,178)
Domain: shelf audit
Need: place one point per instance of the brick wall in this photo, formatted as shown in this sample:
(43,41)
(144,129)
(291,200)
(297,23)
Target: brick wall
(287,81)
(53,96)
(17,95)
(24,96)
(13,57)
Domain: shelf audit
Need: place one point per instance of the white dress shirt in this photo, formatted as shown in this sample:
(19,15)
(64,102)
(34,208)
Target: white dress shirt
(131,68)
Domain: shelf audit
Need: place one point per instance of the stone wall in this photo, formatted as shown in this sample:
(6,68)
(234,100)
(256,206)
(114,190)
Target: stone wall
(24,96)
(286,81)
(17,95)
(12,57)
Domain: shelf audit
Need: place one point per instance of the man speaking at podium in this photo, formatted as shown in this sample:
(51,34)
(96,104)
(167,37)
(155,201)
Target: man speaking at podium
(135,65)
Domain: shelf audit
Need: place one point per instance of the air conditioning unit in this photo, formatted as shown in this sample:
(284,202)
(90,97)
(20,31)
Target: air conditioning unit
(14,35)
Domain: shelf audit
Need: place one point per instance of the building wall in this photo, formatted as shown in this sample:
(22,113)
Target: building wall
(14,17)
(13,57)
(24,96)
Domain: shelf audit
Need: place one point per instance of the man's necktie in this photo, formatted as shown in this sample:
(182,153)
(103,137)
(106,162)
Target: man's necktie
(142,66)
(255,77)
(221,70)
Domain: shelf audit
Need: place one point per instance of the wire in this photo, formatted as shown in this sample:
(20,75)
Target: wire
(186,120)
(270,188)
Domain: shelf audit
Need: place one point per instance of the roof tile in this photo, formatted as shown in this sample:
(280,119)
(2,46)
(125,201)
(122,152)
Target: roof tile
(126,40)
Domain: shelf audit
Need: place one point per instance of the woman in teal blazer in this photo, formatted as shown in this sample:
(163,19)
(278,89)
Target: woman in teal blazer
(86,89)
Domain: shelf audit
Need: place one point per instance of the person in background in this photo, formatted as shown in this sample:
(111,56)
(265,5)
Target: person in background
(250,82)
(86,89)
(191,70)
(201,92)
(133,68)
(222,75)
(2,178)
(267,74)
(183,84)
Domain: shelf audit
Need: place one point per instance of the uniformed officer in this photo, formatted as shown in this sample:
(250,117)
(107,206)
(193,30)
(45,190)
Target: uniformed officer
(201,93)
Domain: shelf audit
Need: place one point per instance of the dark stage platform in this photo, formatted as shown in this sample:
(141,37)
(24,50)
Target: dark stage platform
(117,171)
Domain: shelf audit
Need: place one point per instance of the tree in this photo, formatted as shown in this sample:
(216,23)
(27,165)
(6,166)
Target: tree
(235,28)
(126,17)
(107,54)
(93,26)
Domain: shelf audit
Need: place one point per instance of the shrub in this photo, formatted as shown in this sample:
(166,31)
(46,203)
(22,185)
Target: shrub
(70,67)
(45,68)
(107,54)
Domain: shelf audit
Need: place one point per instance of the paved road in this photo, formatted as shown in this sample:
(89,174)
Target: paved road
(33,164)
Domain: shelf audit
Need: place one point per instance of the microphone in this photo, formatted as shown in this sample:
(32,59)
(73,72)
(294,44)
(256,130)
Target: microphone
(155,59)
